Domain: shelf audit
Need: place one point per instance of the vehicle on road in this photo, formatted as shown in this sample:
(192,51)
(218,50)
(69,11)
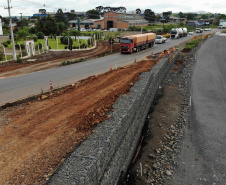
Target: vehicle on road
(199,30)
(207,29)
(222,25)
(132,43)
(160,39)
(178,33)
(191,33)
(113,29)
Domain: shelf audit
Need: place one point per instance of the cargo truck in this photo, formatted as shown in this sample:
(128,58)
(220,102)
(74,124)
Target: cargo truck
(132,43)
(222,25)
(178,33)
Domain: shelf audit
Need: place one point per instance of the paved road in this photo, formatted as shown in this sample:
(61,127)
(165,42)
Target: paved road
(23,86)
(203,156)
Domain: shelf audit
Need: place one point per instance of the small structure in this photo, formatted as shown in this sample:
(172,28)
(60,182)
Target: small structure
(30,47)
(1,32)
(46,43)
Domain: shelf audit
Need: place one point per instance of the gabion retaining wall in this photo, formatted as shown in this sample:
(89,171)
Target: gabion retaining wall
(105,156)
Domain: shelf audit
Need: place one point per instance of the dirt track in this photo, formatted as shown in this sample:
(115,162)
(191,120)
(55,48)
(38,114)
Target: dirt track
(37,136)
(54,59)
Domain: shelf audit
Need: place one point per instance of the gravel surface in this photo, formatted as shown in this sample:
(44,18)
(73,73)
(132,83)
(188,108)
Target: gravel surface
(165,127)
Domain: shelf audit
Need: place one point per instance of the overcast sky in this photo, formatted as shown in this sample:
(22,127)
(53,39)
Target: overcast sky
(29,7)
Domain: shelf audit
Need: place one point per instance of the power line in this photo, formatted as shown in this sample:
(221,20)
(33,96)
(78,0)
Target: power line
(37,4)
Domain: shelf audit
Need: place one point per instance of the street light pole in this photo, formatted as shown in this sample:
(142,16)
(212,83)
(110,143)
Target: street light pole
(11,30)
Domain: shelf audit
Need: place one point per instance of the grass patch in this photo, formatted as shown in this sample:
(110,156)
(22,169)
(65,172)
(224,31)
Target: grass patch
(191,45)
(53,43)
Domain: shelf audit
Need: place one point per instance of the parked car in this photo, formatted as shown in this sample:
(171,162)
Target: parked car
(191,33)
(160,39)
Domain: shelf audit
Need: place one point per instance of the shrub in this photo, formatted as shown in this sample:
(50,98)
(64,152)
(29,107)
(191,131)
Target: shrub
(24,53)
(64,40)
(2,56)
(8,41)
(35,39)
(40,35)
(65,47)
(188,47)
(83,45)
(40,46)
(19,60)
(75,47)
(5,44)
(21,45)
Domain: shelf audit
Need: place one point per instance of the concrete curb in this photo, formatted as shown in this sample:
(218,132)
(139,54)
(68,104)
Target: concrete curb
(106,155)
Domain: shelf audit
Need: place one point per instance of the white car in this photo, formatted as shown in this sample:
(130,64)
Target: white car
(191,33)
(199,30)
(160,39)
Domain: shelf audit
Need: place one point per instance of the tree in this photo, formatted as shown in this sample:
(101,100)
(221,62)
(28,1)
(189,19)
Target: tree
(181,15)
(190,16)
(22,34)
(32,30)
(100,9)
(93,14)
(50,26)
(61,27)
(21,23)
(74,33)
(204,16)
(182,24)
(39,25)
(138,11)
(5,20)
(107,8)
(166,15)
(60,16)
(149,15)
(42,11)
(71,16)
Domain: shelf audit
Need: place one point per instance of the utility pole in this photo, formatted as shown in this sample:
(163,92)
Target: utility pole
(11,30)
(21,21)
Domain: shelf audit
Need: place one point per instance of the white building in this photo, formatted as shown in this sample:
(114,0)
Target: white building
(1,32)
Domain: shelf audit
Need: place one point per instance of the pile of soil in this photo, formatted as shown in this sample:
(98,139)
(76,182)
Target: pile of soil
(37,136)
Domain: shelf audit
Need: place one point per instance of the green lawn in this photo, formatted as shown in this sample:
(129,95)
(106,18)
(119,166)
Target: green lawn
(52,43)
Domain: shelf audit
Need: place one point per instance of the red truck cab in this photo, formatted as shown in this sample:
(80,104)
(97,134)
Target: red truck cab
(126,45)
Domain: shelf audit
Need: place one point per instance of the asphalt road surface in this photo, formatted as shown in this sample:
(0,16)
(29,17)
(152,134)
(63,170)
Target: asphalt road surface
(14,88)
(203,157)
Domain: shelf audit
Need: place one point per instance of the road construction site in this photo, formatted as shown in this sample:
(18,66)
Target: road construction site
(38,135)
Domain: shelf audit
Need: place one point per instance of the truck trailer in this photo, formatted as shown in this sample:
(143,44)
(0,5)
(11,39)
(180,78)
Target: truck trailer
(132,43)
(222,25)
(178,33)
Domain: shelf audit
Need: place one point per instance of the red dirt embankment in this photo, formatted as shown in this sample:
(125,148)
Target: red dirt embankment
(37,136)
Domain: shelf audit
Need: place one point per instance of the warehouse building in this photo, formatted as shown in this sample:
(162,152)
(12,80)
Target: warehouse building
(112,20)
(120,20)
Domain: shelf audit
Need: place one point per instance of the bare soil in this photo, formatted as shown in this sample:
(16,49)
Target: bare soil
(35,137)
(54,59)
